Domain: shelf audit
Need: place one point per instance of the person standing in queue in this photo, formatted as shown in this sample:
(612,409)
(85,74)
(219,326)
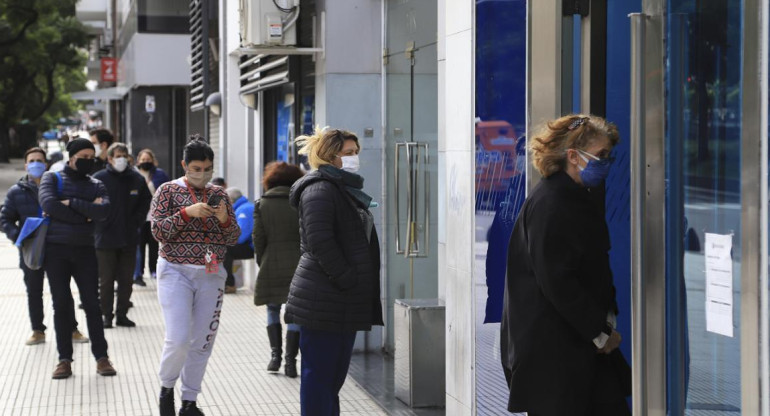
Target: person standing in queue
(335,290)
(21,203)
(74,201)
(194,223)
(117,235)
(559,345)
(102,139)
(276,246)
(147,166)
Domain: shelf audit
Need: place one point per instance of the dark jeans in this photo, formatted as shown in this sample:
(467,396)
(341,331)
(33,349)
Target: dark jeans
(33,279)
(116,265)
(236,252)
(325,362)
(63,262)
(146,242)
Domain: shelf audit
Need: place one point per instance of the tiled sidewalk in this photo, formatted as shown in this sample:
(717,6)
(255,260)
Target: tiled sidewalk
(235,384)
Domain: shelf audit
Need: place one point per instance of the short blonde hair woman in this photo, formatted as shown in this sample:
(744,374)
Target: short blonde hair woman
(558,338)
(325,145)
(335,290)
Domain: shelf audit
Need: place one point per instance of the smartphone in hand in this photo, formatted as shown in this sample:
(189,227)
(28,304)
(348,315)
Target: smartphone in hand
(214,200)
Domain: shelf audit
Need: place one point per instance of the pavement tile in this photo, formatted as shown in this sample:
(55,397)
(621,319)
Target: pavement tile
(236,382)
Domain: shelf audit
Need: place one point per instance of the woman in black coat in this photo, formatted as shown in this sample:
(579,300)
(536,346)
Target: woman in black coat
(558,342)
(335,290)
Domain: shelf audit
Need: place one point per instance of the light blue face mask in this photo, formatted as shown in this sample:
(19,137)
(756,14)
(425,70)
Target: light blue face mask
(596,169)
(36,169)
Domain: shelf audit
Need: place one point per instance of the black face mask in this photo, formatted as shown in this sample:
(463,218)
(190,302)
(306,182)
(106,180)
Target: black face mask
(84,166)
(146,165)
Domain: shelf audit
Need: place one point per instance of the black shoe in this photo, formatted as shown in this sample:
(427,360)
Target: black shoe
(166,402)
(80,306)
(189,409)
(107,322)
(274,335)
(292,348)
(140,282)
(130,304)
(122,320)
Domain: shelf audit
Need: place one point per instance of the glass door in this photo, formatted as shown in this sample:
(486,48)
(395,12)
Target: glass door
(411,153)
(703,206)
(500,179)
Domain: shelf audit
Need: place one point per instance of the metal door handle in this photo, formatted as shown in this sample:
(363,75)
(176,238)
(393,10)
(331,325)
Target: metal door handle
(637,160)
(417,162)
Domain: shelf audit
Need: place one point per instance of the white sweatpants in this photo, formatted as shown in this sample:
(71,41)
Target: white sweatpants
(191,301)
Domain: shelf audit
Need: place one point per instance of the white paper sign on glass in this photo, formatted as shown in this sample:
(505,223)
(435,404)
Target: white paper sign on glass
(719,284)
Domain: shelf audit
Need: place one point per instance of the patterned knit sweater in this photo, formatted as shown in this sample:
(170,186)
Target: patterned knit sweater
(182,238)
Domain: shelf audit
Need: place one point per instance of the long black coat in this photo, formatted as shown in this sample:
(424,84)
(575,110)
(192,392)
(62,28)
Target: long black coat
(336,286)
(276,246)
(129,202)
(558,291)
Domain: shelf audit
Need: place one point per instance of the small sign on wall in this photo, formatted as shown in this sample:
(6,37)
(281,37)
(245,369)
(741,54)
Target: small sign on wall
(109,69)
(149,103)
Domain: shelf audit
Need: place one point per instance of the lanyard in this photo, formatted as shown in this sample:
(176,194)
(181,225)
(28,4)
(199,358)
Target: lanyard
(205,220)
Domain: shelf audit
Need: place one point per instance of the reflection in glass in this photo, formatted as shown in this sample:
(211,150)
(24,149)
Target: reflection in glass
(703,176)
(500,181)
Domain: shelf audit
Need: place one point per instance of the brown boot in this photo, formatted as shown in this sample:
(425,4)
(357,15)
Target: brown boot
(104,367)
(62,370)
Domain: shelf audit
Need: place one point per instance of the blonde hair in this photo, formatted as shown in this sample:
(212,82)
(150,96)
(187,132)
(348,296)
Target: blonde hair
(322,146)
(149,152)
(575,131)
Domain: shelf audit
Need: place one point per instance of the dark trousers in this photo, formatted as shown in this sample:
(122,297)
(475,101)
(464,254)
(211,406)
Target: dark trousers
(146,242)
(236,252)
(116,265)
(33,279)
(63,262)
(325,362)
(619,408)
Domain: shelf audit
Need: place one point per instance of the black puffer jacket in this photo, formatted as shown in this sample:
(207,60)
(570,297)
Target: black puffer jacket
(336,286)
(129,201)
(73,224)
(20,204)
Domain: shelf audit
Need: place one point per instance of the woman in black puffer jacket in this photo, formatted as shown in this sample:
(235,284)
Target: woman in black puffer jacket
(336,287)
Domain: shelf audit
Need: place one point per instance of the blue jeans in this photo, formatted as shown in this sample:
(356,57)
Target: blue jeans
(325,362)
(274,317)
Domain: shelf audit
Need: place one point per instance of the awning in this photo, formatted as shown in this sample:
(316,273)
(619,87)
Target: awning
(112,93)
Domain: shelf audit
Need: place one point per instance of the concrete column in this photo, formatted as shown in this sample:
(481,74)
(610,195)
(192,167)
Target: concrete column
(456,195)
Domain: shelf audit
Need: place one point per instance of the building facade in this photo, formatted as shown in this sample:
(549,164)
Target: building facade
(443,95)
(146,101)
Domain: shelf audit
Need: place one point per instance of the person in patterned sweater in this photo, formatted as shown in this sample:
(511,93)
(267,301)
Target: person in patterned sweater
(194,223)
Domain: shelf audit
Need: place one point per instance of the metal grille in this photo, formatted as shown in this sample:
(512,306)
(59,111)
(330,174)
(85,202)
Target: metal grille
(200,54)
(260,72)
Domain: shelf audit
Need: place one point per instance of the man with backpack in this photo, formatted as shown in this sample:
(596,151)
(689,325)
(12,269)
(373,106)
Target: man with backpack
(21,203)
(74,201)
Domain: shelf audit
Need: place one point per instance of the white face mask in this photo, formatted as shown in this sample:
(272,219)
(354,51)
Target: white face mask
(120,163)
(350,163)
(97,150)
